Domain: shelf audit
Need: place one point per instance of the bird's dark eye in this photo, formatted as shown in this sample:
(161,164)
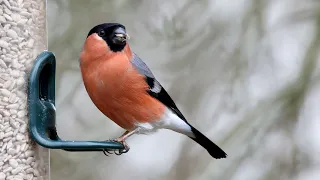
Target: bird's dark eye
(101,33)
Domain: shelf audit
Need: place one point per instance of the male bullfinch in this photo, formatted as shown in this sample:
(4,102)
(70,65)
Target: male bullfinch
(124,89)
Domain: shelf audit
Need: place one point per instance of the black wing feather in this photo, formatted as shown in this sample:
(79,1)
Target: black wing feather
(159,93)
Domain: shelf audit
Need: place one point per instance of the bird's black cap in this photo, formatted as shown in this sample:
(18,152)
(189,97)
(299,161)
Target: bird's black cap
(108,31)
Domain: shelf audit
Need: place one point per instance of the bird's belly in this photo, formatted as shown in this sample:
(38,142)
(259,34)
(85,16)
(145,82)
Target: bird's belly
(128,106)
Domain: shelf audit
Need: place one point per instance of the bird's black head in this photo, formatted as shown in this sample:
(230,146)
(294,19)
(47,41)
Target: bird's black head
(113,33)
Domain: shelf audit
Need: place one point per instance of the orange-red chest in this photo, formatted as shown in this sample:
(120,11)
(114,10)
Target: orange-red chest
(119,91)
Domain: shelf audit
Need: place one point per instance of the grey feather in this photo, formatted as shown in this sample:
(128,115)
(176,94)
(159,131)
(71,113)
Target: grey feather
(155,86)
(141,66)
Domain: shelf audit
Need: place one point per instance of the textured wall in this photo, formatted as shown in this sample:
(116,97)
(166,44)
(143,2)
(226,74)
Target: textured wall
(243,72)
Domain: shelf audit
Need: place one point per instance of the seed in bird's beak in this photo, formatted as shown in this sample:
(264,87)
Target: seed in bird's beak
(120,35)
(123,37)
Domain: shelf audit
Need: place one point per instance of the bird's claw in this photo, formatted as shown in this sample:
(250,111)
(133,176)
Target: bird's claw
(105,151)
(120,151)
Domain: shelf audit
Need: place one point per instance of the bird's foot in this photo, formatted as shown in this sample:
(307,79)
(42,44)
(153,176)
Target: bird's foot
(120,151)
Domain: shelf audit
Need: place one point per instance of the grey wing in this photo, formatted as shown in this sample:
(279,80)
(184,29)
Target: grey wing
(155,88)
(154,85)
(141,66)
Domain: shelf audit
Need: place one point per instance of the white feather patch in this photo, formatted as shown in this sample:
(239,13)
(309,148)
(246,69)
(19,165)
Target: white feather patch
(169,120)
(156,87)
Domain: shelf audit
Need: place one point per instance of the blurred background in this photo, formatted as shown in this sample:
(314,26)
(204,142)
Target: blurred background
(245,73)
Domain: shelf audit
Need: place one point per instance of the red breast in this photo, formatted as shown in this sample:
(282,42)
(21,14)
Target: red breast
(117,89)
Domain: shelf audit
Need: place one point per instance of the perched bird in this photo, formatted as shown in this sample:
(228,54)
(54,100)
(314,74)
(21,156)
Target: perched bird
(124,89)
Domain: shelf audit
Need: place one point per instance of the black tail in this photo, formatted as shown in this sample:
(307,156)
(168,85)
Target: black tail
(206,143)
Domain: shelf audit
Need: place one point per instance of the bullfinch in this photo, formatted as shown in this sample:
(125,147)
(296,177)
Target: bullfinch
(124,89)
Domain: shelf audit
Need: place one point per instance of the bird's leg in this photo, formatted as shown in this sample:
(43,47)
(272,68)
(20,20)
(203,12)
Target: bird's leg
(125,135)
(121,140)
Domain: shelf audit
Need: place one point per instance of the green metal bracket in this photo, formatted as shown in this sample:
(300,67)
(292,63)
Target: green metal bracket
(42,111)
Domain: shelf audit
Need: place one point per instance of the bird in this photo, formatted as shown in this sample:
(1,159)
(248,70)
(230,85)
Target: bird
(126,91)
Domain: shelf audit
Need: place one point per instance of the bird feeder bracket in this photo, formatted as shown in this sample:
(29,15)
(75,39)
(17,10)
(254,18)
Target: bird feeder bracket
(42,110)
